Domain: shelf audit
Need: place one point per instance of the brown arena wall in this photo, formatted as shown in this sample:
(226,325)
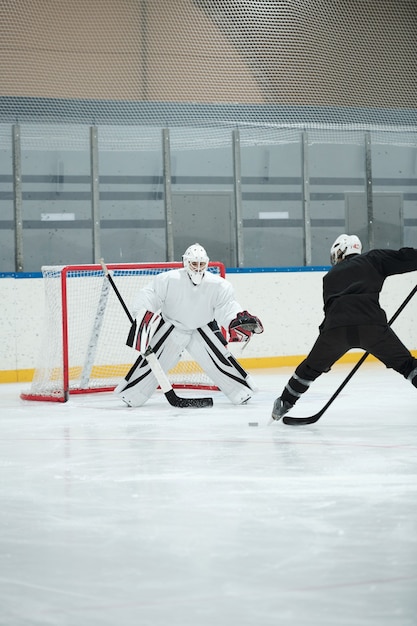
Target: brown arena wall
(341,53)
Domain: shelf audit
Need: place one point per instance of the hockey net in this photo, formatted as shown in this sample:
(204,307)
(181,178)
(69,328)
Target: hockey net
(83,349)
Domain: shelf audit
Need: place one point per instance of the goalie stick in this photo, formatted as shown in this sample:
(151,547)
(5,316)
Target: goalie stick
(154,364)
(300,421)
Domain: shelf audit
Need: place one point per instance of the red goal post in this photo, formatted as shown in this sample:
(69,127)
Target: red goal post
(83,348)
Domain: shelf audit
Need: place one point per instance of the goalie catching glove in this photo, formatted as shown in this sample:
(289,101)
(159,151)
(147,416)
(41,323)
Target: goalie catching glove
(243,327)
(141,333)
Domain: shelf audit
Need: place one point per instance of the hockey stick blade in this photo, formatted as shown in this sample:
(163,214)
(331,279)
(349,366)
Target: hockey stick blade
(187,403)
(154,364)
(300,421)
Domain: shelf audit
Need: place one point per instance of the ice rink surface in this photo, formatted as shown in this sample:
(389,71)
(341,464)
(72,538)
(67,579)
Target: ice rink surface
(111,516)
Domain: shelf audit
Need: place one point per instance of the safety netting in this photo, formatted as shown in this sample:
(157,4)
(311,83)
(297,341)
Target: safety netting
(345,65)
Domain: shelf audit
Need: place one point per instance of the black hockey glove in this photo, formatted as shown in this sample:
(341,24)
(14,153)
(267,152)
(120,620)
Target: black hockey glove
(243,327)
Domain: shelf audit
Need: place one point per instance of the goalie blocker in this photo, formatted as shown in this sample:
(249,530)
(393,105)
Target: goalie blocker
(206,345)
(141,334)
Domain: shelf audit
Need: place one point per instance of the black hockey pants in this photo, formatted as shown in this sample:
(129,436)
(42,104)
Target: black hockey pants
(331,345)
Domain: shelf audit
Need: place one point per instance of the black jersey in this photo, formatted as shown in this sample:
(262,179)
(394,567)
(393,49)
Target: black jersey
(351,288)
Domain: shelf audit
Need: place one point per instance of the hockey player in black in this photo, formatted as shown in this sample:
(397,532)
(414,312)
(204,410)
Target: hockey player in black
(353,317)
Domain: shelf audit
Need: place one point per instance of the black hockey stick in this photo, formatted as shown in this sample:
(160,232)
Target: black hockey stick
(300,421)
(154,364)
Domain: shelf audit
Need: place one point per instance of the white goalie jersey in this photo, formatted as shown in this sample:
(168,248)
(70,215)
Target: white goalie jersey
(188,306)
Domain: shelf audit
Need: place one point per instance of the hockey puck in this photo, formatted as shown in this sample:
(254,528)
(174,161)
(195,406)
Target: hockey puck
(253,424)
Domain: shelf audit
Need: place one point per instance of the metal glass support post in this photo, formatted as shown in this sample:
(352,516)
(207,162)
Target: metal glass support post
(95,194)
(237,187)
(166,160)
(17,198)
(305,176)
(369,194)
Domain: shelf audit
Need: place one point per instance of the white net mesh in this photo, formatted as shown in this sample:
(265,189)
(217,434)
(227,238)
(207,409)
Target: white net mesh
(343,65)
(84,342)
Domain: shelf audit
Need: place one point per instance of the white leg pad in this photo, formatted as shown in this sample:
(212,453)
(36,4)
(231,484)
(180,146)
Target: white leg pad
(220,365)
(140,383)
(131,396)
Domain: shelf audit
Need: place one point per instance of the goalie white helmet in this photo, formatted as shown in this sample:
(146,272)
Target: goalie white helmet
(343,246)
(195,261)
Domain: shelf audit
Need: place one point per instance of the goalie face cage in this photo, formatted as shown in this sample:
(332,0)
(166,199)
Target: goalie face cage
(83,348)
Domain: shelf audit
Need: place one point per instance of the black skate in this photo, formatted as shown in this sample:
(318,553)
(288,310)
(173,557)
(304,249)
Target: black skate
(280,408)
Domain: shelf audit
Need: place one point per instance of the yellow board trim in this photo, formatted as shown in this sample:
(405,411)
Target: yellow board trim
(16,376)
(26,375)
